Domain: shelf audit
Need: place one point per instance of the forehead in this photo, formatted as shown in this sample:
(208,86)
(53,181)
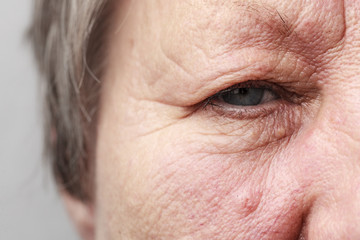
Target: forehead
(199,40)
(307,22)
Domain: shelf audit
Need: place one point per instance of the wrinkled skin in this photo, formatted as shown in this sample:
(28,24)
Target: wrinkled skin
(170,166)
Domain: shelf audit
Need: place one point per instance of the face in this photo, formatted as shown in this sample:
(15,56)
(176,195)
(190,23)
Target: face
(231,120)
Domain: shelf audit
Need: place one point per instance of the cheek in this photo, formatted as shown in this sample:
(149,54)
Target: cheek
(225,195)
(183,189)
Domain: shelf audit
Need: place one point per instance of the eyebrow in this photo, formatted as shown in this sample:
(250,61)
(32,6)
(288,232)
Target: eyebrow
(268,16)
(285,24)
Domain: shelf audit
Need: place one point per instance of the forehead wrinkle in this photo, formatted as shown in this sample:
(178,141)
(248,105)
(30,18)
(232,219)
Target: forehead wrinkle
(228,27)
(252,24)
(224,30)
(271,28)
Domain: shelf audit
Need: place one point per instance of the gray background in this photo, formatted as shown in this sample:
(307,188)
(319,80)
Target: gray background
(29,205)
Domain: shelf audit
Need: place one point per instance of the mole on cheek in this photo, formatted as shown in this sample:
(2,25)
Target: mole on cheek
(247,201)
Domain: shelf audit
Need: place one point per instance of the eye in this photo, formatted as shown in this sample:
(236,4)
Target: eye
(249,96)
(248,100)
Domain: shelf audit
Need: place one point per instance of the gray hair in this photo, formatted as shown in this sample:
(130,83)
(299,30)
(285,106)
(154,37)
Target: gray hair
(68,39)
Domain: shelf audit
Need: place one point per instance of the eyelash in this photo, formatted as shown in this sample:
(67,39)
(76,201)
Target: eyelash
(242,112)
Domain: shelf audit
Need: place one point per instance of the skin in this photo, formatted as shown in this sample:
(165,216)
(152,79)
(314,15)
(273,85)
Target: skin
(168,166)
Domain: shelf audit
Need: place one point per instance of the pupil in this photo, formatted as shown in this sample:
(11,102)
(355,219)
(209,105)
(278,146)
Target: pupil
(244,96)
(243,91)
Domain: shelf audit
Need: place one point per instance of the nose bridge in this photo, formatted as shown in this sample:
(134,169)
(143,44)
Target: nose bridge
(334,165)
(338,121)
(336,132)
(340,85)
(335,213)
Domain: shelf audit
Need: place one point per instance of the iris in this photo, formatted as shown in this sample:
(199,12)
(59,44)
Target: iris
(243,96)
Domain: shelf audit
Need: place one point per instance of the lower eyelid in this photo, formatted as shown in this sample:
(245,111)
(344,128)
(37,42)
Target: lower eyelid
(277,120)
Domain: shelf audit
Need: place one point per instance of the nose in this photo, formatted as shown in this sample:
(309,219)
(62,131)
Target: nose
(333,157)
